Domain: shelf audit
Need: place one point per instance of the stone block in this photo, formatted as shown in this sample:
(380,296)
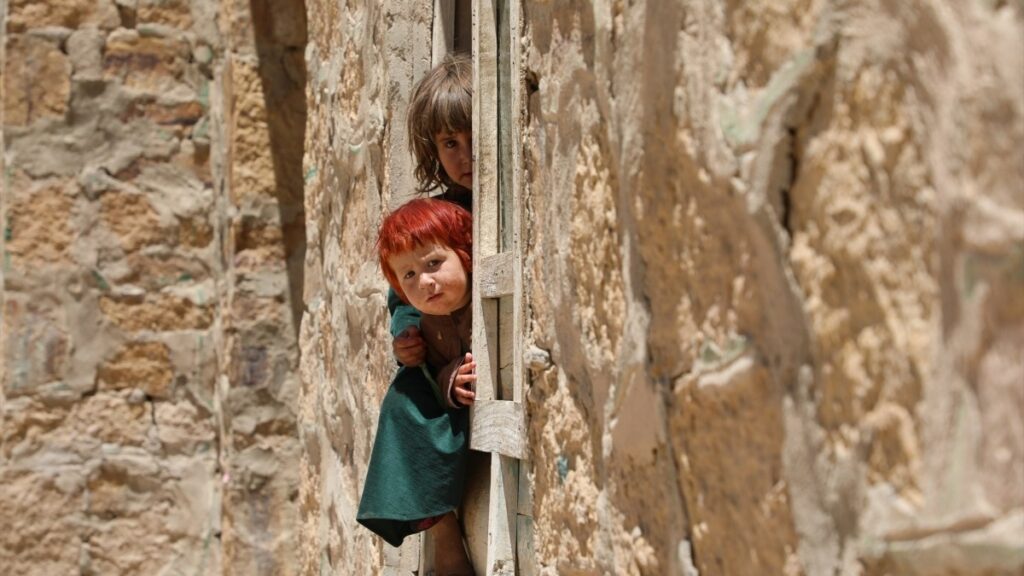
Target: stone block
(132,219)
(175,13)
(170,114)
(39,229)
(195,231)
(41,520)
(156,312)
(37,343)
(250,154)
(182,428)
(153,271)
(152,65)
(108,417)
(37,80)
(739,503)
(85,50)
(257,244)
(24,15)
(144,365)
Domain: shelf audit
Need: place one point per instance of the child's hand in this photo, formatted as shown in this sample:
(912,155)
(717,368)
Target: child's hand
(465,382)
(409,348)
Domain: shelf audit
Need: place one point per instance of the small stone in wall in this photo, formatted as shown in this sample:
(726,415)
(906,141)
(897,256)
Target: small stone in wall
(143,365)
(37,80)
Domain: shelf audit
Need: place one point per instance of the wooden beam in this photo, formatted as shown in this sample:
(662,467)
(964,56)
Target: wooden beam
(499,426)
(496,275)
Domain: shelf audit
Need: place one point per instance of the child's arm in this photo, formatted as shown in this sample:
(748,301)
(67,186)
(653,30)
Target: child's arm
(406,343)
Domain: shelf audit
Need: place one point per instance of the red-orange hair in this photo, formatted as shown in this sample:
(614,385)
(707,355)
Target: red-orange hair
(418,223)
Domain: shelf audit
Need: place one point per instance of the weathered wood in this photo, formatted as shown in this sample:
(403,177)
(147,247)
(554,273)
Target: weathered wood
(524,502)
(495,275)
(444,29)
(498,426)
(501,550)
(525,557)
(506,343)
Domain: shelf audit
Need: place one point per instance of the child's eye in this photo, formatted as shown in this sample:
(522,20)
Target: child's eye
(407,275)
(450,144)
(433,263)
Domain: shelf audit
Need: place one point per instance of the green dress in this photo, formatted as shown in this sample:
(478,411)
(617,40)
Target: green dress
(418,464)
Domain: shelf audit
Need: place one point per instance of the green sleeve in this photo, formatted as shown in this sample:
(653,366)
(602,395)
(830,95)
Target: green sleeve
(402,315)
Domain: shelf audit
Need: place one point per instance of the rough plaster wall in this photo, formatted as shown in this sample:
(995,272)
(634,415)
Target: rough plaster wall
(110,258)
(362,60)
(775,254)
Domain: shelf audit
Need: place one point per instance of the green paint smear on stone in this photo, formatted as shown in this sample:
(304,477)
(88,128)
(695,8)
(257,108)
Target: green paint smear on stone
(742,126)
(204,95)
(712,356)
(990,268)
(101,281)
(310,174)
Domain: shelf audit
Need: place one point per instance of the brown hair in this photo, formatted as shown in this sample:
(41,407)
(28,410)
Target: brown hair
(441,102)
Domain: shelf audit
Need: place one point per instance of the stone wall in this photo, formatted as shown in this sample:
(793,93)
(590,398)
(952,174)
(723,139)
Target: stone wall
(151,281)
(774,281)
(776,258)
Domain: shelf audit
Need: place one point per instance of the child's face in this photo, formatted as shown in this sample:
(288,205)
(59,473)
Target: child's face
(455,151)
(433,279)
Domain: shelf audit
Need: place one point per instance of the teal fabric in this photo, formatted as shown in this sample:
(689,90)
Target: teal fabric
(402,315)
(418,464)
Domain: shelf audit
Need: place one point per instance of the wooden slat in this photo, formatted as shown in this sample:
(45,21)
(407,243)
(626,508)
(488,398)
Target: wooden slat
(444,29)
(499,426)
(525,564)
(495,275)
(524,501)
(506,385)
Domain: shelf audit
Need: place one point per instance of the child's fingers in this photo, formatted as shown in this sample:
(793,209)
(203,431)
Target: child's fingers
(464,396)
(468,368)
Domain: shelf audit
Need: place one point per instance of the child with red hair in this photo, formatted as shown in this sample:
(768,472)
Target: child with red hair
(416,474)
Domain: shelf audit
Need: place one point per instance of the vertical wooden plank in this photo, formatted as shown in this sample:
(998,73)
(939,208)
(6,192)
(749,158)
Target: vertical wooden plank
(517,107)
(501,535)
(475,509)
(506,384)
(444,30)
(525,556)
(525,498)
(407,58)
(463,26)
